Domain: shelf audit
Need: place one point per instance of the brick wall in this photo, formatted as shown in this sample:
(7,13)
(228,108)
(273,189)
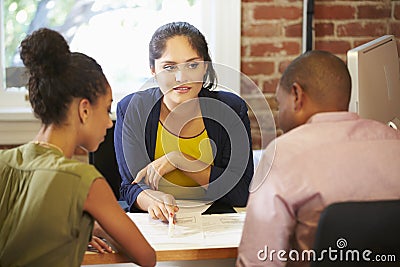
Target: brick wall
(272,36)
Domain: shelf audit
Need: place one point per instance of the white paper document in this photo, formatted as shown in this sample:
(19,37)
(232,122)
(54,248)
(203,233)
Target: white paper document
(192,230)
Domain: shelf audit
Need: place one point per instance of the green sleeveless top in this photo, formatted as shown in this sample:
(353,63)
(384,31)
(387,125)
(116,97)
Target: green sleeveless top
(42,193)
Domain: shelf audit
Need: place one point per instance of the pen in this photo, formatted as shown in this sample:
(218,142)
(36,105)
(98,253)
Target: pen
(171,225)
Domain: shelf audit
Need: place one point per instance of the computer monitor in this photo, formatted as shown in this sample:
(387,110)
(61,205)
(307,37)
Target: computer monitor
(375,77)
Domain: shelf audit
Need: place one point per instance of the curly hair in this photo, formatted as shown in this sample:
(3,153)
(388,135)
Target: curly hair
(57,75)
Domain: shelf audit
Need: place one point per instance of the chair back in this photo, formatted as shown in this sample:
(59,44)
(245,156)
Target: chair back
(105,161)
(359,234)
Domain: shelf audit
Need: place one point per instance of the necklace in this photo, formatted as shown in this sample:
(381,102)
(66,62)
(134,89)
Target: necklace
(46,144)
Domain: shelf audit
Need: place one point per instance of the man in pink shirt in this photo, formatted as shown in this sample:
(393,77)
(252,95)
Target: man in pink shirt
(326,155)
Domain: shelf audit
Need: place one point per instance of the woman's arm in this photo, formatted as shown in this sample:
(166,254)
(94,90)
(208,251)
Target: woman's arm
(193,168)
(131,153)
(102,205)
(128,143)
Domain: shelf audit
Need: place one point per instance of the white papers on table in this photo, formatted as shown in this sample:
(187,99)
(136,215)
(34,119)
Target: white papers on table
(192,230)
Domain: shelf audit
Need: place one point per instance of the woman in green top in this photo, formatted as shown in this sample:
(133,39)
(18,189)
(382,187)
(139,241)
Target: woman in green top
(48,201)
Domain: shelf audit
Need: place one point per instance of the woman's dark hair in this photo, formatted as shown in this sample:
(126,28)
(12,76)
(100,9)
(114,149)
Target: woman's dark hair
(196,40)
(57,75)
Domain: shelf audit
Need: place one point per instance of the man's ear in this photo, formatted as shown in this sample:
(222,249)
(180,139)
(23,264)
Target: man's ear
(84,109)
(298,96)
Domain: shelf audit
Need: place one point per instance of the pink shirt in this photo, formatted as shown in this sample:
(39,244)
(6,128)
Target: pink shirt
(335,157)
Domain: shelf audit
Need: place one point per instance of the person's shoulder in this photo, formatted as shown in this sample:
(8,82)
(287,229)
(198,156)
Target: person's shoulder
(371,127)
(150,95)
(140,96)
(229,98)
(76,168)
(9,151)
(11,154)
(226,96)
(74,173)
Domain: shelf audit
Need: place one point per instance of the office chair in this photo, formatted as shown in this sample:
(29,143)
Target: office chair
(105,161)
(351,228)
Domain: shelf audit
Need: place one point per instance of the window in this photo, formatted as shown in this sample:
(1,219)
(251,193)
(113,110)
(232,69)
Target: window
(114,32)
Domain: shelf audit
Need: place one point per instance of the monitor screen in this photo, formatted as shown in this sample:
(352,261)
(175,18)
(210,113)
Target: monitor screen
(375,77)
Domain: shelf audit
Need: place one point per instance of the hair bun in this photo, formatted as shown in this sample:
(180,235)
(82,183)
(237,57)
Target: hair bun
(45,52)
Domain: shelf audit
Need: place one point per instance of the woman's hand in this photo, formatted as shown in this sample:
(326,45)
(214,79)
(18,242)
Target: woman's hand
(155,170)
(160,205)
(99,244)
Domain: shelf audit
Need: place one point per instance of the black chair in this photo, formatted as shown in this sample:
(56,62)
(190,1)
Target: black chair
(105,161)
(355,228)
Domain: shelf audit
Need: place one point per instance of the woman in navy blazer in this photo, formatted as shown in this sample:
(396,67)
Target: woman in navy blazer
(179,52)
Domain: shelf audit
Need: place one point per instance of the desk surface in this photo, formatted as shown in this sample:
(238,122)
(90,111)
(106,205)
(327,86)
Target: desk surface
(196,237)
(92,258)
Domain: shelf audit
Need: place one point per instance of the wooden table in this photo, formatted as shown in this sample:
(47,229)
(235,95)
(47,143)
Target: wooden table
(92,258)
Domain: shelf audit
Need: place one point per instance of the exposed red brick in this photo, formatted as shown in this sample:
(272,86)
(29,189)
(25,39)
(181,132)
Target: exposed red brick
(243,50)
(283,65)
(255,139)
(277,12)
(394,28)
(396,12)
(255,68)
(324,29)
(273,49)
(253,121)
(334,12)
(362,29)
(263,30)
(292,48)
(374,11)
(270,86)
(335,47)
(362,41)
(248,86)
(256,104)
(294,30)
(246,14)
(273,104)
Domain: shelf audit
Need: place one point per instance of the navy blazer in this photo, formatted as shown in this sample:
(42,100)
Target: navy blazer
(226,121)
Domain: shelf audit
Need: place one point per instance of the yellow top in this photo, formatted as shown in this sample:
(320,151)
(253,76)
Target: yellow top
(198,147)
